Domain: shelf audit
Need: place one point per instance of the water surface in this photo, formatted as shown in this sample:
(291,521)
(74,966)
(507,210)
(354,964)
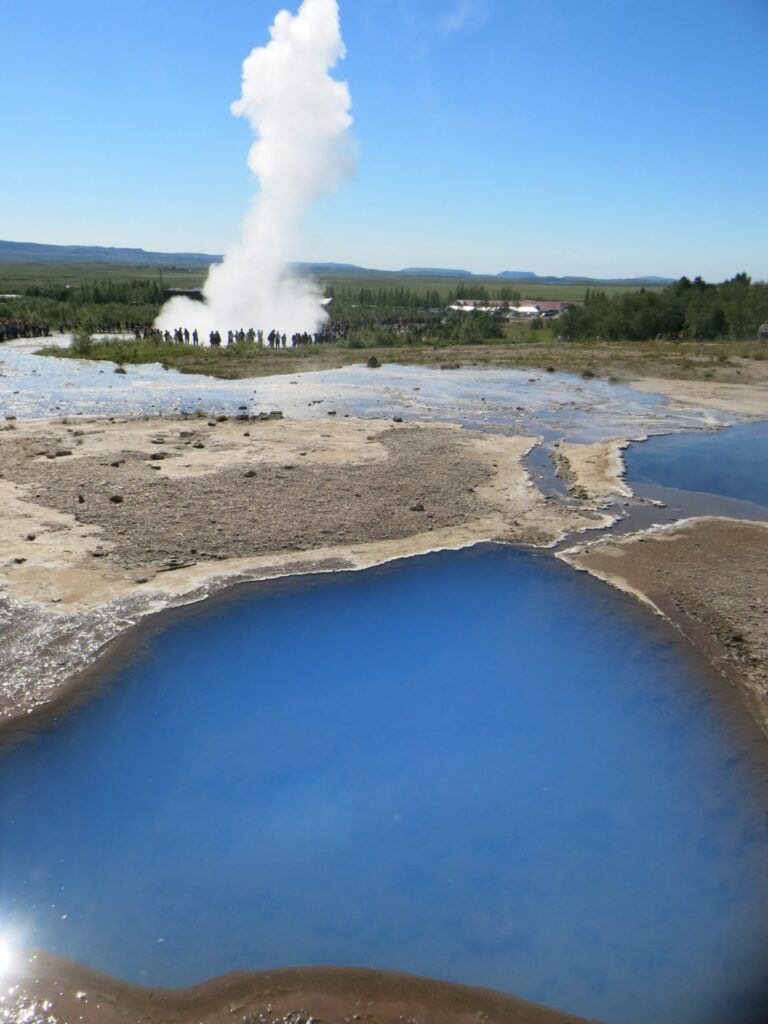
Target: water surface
(479,766)
(732,463)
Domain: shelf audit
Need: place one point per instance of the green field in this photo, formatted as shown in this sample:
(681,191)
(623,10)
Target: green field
(17,277)
(447,286)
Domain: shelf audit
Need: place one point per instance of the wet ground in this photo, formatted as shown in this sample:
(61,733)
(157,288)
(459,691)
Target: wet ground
(551,405)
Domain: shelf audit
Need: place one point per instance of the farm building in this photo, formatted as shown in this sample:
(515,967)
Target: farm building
(515,307)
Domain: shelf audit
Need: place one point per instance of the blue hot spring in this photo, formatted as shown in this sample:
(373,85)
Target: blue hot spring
(479,766)
(732,463)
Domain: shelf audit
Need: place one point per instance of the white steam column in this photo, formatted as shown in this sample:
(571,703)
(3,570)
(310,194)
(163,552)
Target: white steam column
(301,118)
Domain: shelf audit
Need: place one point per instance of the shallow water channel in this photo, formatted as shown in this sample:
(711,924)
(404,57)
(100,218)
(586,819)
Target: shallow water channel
(479,766)
(532,402)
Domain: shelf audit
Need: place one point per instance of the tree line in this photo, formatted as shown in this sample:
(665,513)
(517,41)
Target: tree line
(732,310)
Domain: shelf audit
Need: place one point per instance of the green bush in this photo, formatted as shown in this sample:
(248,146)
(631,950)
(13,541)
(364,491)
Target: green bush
(82,343)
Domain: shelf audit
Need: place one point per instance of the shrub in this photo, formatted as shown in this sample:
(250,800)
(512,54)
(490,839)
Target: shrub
(82,343)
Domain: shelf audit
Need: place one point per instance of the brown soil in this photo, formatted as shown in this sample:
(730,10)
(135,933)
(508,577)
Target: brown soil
(51,988)
(593,471)
(707,576)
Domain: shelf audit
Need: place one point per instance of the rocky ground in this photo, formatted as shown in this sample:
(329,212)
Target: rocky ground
(50,989)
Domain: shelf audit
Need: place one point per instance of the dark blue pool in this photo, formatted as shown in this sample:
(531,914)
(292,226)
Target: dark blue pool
(732,462)
(481,766)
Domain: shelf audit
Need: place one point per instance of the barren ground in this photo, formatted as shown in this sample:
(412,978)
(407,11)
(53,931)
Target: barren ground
(53,988)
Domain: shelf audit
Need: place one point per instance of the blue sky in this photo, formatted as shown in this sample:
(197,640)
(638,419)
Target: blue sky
(610,138)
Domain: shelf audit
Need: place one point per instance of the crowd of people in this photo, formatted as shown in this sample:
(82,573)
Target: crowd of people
(328,334)
(11,329)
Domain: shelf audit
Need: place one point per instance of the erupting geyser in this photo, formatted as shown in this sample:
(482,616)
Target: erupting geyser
(300,115)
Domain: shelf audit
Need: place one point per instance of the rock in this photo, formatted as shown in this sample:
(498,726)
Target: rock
(19,560)
(120,369)
(31,536)
(251,473)
(158,456)
(397,419)
(116,499)
(198,444)
(276,415)
(417,508)
(222,419)
(331,412)
(61,452)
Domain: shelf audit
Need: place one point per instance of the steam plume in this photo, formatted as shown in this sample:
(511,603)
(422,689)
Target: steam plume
(300,116)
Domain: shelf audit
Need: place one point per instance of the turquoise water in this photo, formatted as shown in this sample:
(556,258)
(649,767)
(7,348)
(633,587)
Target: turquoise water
(479,766)
(732,463)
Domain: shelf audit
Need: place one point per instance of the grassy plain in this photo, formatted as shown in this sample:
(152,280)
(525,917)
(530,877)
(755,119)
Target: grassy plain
(15,277)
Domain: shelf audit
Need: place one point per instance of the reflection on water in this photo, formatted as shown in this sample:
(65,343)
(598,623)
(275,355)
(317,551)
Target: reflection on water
(732,463)
(478,766)
(552,405)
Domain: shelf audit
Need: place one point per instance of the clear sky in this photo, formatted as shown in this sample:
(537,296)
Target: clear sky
(604,137)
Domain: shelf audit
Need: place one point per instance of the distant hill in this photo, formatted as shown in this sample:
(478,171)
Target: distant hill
(36,253)
(522,275)
(435,272)
(32,252)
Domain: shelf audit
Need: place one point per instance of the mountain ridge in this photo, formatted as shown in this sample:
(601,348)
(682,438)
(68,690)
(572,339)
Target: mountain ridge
(39,253)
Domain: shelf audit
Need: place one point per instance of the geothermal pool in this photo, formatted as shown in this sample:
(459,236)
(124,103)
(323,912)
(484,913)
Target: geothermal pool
(479,766)
(732,463)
